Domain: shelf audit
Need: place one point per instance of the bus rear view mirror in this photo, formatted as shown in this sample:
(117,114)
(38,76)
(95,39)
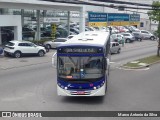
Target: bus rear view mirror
(54,60)
(107,63)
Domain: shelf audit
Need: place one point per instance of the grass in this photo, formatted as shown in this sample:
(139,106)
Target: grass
(131,65)
(147,60)
(150,60)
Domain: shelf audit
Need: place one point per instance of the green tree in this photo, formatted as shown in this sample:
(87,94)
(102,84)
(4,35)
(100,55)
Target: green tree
(155,16)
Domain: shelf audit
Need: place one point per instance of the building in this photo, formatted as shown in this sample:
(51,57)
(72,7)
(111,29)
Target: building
(66,12)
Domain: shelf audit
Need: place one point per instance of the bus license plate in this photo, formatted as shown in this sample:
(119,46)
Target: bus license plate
(80,92)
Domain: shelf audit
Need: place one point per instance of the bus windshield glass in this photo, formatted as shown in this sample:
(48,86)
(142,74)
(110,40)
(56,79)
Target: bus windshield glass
(80,67)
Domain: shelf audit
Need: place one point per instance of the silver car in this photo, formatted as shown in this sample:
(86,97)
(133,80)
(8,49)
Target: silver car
(55,43)
(115,47)
(147,35)
(117,38)
(128,37)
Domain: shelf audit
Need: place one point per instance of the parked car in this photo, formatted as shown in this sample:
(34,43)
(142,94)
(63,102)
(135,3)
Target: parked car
(19,48)
(60,32)
(115,47)
(117,38)
(138,36)
(147,35)
(128,37)
(74,30)
(7,34)
(55,43)
(28,33)
(70,36)
(92,29)
(114,30)
(88,28)
(134,29)
(122,29)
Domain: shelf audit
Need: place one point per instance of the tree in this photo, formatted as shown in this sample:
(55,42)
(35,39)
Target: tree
(155,16)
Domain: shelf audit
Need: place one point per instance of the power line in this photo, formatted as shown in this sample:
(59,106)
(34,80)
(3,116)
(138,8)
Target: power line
(123,2)
(97,4)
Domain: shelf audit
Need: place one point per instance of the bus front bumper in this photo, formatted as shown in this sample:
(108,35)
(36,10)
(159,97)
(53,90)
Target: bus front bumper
(98,92)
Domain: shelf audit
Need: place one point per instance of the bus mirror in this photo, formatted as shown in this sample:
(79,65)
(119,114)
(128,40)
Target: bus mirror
(107,62)
(54,60)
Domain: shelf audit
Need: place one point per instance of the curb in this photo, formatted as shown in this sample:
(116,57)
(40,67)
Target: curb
(141,67)
(126,67)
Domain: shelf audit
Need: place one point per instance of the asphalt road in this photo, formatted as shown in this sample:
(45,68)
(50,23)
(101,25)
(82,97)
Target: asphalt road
(33,88)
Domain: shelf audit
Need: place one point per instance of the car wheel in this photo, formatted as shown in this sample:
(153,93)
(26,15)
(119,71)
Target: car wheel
(127,40)
(5,54)
(41,53)
(139,39)
(17,54)
(48,46)
(152,38)
(119,50)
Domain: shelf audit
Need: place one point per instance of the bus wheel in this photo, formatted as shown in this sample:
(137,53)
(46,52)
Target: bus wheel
(106,87)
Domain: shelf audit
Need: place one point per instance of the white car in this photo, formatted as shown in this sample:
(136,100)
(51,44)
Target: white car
(18,48)
(115,48)
(55,43)
(70,36)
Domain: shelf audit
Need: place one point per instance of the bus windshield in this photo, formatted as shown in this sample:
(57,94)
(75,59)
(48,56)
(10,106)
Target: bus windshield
(80,67)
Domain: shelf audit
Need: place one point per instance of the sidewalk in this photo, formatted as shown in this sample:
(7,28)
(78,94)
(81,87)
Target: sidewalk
(10,62)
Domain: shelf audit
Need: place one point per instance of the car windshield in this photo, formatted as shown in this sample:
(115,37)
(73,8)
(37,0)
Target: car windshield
(10,44)
(80,67)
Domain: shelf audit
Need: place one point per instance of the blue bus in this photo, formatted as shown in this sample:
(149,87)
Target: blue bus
(83,64)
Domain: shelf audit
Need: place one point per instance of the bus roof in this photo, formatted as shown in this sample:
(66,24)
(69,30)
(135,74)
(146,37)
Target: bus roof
(91,38)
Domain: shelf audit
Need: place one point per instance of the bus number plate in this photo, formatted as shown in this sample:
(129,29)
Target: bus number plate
(80,92)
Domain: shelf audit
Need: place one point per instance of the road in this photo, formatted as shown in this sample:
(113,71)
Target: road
(33,87)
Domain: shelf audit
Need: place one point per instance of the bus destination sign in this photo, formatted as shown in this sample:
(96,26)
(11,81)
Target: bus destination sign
(79,50)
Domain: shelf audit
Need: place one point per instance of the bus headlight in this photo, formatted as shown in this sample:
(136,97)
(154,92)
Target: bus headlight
(65,88)
(94,88)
